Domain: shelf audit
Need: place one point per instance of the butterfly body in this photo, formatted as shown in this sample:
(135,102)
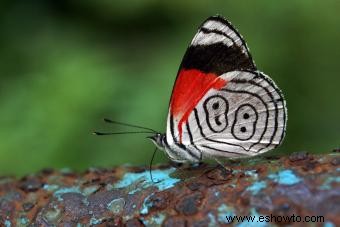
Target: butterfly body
(221,105)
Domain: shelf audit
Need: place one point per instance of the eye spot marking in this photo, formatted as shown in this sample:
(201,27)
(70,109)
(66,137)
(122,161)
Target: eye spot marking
(243,129)
(218,122)
(245,122)
(245,116)
(216,111)
(216,105)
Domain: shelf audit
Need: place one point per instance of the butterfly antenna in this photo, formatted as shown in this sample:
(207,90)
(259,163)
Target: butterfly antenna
(118,133)
(150,166)
(129,125)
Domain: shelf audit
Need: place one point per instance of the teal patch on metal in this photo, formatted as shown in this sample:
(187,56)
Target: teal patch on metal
(50,187)
(212,219)
(95,221)
(327,184)
(60,192)
(328,224)
(146,205)
(253,220)
(139,181)
(257,187)
(116,206)
(285,177)
(24,221)
(251,173)
(8,223)
(89,190)
(225,211)
(155,220)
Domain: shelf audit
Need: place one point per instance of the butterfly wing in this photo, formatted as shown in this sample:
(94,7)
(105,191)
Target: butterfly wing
(216,50)
(245,117)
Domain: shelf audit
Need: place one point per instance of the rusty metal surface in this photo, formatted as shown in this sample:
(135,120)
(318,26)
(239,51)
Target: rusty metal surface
(300,184)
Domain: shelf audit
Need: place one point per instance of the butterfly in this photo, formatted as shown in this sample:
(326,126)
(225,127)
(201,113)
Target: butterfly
(221,106)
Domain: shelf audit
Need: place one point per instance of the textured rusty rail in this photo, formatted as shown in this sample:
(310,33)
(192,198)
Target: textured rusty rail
(301,184)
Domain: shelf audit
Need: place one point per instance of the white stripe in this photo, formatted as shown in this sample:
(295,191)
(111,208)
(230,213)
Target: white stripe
(216,25)
(210,38)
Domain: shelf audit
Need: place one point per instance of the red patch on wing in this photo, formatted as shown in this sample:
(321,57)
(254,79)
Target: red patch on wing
(191,85)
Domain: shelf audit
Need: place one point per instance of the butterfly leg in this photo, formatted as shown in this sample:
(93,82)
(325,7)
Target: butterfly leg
(226,170)
(175,164)
(201,157)
(198,164)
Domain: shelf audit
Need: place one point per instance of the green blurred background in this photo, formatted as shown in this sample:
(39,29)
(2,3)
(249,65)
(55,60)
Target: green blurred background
(67,64)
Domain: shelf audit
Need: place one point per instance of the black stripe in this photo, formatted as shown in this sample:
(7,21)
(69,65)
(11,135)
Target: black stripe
(216,58)
(192,141)
(279,92)
(166,144)
(254,123)
(180,145)
(243,81)
(267,111)
(206,138)
(173,133)
(208,31)
(284,123)
(207,113)
(276,100)
(224,151)
(231,27)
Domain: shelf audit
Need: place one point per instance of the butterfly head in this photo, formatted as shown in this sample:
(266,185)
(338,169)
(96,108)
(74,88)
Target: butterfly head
(158,140)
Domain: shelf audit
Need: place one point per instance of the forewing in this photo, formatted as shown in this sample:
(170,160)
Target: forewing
(216,49)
